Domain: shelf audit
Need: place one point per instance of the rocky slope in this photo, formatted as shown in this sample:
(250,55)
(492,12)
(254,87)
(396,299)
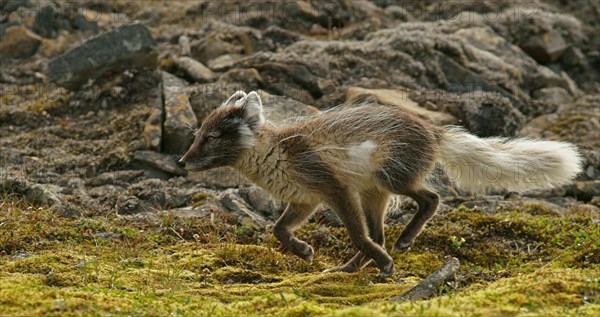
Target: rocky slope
(98,99)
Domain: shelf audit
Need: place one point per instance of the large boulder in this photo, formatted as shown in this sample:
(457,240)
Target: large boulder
(129,47)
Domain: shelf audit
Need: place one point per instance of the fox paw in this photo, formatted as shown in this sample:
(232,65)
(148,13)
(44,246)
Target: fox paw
(386,271)
(304,251)
(402,247)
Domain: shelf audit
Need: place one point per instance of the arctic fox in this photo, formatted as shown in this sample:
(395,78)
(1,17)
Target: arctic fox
(354,159)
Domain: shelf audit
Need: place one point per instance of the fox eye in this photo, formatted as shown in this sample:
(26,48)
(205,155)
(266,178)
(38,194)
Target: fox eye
(211,137)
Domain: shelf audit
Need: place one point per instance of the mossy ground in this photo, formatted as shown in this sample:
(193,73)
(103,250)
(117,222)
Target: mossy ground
(527,262)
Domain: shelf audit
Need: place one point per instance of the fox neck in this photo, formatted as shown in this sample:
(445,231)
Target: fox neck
(253,162)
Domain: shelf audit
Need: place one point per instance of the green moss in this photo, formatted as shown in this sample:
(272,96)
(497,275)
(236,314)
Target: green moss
(530,261)
(200,198)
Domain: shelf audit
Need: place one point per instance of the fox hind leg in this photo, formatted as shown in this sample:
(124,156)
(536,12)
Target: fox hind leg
(428,202)
(374,203)
(348,209)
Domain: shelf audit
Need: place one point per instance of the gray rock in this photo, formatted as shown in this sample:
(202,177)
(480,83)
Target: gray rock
(223,62)
(160,161)
(194,69)
(555,96)
(121,178)
(184,45)
(249,76)
(180,120)
(43,194)
(545,48)
(432,283)
(130,205)
(129,47)
(21,256)
(261,201)
(105,191)
(243,212)
(153,127)
(18,42)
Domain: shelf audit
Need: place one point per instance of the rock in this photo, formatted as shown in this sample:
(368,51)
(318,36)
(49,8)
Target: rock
(153,127)
(45,23)
(261,201)
(43,194)
(555,96)
(489,114)
(180,120)
(105,191)
(81,22)
(129,47)
(223,62)
(184,45)
(211,47)
(160,161)
(545,48)
(428,287)
(21,256)
(242,211)
(397,98)
(67,210)
(194,69)
(248,76)
(584,190)
(120,178)
(18,42)
(130,205)
(53,47)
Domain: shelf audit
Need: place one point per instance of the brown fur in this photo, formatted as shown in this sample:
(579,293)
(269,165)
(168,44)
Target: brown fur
(351,160)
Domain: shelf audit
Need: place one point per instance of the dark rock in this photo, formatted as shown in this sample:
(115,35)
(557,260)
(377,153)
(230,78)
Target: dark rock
(128,47)
(45,23)
(180,120)
(81,23)
(545,48)
(584,190)
(489,114)
(160,161)
(18,42)
(195,70)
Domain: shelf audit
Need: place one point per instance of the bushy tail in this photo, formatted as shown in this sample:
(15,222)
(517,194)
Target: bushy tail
(482,164)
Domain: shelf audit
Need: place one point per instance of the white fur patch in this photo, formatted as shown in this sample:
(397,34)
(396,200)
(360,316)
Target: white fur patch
(247,138)
(362,153)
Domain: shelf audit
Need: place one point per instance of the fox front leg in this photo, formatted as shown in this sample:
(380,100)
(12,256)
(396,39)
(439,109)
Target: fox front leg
(293,216)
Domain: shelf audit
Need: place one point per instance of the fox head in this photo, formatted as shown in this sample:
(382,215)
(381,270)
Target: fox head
(226,133)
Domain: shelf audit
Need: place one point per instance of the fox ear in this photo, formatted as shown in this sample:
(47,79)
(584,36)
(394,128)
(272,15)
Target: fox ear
(235,97)
(253,106)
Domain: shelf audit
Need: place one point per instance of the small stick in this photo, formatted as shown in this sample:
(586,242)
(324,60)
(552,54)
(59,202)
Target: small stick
(431,284)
